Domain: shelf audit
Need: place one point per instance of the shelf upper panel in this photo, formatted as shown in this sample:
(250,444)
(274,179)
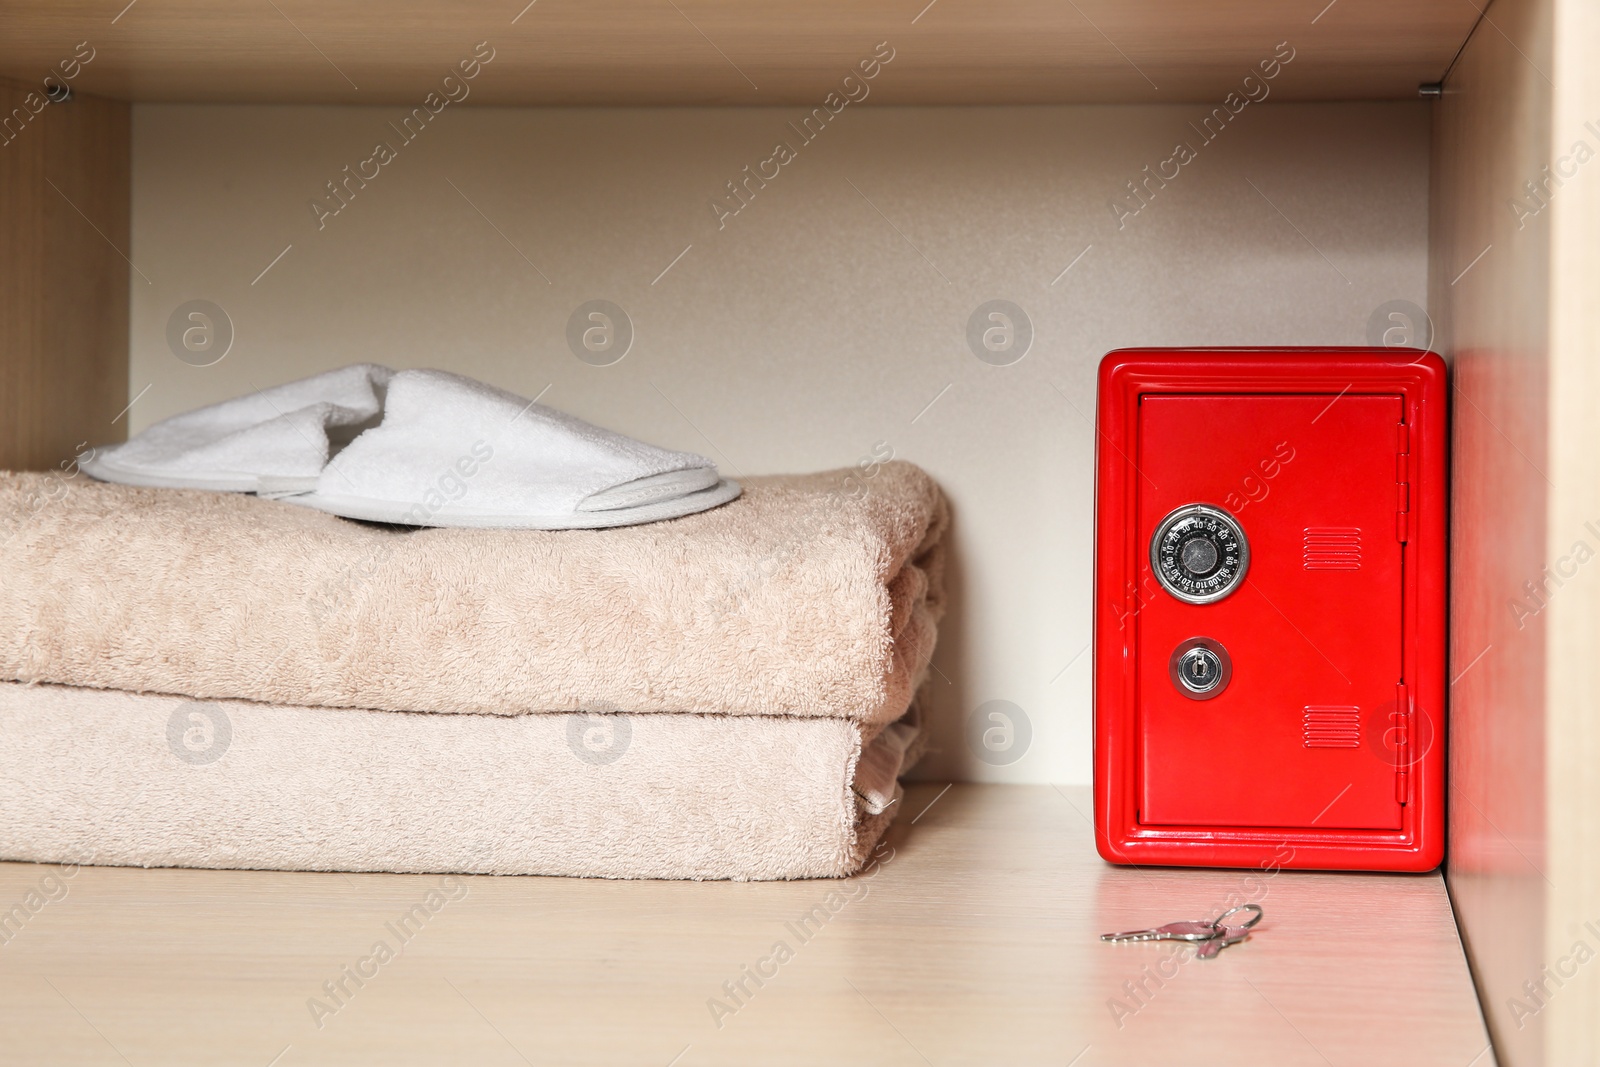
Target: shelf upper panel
(739,52)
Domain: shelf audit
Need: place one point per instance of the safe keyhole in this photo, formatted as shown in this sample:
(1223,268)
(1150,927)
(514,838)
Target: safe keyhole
(1200,668)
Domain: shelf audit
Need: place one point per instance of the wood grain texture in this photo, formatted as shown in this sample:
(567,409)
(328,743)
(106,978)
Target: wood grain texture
(64,222)
(732,52)
(972,940)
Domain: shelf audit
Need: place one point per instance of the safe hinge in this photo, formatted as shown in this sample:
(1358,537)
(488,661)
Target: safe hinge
(1400,727)
(1402,479)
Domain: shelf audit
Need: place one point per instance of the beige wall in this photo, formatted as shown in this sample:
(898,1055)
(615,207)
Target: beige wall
(824,318)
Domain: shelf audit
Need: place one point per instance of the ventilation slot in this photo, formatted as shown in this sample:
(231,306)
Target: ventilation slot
(1332,727)
(1332,548)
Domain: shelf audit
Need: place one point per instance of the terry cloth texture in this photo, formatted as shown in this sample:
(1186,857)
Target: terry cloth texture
(124,779)
(813,596)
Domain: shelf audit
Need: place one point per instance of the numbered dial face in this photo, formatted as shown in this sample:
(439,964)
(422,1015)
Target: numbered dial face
(1199,553)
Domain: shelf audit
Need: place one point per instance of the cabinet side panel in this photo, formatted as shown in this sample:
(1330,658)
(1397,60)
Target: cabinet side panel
(64,226)
(1490,284)
(1572,675)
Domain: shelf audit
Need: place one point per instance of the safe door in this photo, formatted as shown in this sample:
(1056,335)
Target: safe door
(1269,621)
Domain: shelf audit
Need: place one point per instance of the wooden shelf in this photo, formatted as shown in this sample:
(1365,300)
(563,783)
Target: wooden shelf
(973,940)
(730,52)
(64,223)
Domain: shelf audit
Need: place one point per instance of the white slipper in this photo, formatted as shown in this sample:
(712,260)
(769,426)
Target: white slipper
(452,451)
(272,441)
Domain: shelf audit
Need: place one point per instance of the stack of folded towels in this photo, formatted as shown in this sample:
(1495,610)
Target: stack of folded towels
(211,678)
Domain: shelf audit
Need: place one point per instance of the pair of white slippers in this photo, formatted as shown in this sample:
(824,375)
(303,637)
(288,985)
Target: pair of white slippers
(419,448)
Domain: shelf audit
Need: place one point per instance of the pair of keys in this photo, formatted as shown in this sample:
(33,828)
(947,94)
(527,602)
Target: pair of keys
(1214,934)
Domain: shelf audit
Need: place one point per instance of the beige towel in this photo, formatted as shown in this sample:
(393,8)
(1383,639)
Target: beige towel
(112,778)
(813,595)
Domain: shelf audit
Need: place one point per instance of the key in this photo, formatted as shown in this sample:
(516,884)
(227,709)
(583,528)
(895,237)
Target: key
(1208,931)
(1195,930)
(1230,935)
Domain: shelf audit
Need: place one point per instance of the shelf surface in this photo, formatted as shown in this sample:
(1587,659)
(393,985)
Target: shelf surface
(972,940)
(625,52)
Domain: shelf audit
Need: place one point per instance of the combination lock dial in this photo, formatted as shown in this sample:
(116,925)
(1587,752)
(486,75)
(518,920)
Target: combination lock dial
(1199,553)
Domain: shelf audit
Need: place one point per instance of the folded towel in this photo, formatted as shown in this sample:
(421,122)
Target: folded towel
(113,778)
(895,749)
(269,440)
(813,595)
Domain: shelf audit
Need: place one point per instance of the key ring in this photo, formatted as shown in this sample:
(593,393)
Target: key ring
(1221,921)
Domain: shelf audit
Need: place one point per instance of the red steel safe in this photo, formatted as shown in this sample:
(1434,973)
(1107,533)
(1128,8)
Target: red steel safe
(1269,623)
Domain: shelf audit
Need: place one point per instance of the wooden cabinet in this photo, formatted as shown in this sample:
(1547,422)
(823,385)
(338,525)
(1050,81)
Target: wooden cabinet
(1510,234)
